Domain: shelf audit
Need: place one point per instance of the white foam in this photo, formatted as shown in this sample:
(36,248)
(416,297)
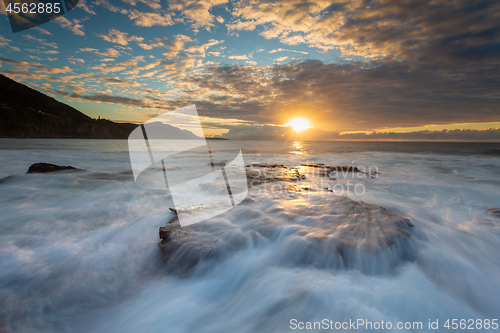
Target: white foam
(78,251)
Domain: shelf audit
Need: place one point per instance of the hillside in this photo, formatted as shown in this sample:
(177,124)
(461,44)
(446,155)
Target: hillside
(27,113)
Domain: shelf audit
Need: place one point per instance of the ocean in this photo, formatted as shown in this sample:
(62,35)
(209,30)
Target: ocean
(78,250)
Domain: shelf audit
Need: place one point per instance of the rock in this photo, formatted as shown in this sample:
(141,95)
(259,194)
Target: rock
(46,167)
(301,188)
(493,211)
(265,173)
(189,208)
(332,170)
(328,232)
(264,165)
(339,233)
(220,164)
(364,226)
(184,247)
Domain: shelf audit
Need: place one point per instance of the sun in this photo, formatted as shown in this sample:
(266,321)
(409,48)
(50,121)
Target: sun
(299,124)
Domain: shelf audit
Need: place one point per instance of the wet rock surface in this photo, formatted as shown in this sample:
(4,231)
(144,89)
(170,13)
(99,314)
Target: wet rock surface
(327,232)
(265,173)
(184,247)
(334,171)
(47,167)
(366,226)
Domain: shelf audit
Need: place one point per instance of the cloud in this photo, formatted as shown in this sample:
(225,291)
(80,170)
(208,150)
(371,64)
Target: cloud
(402,63)
(158,42)
(176,46)
(197,11)
(491,134)
(34,66)
(411,29)
(88,49)
(215,54)
(4,41)
(41,41)
(138,69)
(83,5)
(121,38)
(202,48)
(103,98)
(131,63)
(59,70)
(2,8)
(42,31)
(110,52)
(61,92)
(74,26)
(24,74)
(154,4)
(76,60)
(239,57)
(239,25)
(142,19)
(266,132)
(357,96)
(111,7)
(285,50)
(118,81)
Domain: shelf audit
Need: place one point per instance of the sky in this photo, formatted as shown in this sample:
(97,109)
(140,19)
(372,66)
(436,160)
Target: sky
(356,70)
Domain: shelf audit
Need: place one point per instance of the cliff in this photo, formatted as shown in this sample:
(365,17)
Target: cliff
(27,113)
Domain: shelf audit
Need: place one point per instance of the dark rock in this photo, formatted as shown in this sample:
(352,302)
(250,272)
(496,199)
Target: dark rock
(339,233)
(46,167)
(184,247)
(264,165)
(347,234)
(221,163)
(367,227)
(493,211)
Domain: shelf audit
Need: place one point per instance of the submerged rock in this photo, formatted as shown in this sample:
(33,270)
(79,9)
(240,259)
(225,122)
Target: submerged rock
(493,211)
(184,247)
(219,164)
(333,171)
(327,232)
(47,167)
(365,226)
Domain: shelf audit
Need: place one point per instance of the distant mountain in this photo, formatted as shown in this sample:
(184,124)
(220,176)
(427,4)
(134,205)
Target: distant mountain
(27,113)
(159,130)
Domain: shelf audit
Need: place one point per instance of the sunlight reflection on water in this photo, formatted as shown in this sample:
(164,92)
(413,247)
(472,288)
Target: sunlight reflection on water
(297,148)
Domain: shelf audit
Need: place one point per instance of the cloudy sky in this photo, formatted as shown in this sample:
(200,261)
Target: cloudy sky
(357,70)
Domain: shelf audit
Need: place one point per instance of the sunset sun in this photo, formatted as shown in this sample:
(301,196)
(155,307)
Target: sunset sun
(299,124)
